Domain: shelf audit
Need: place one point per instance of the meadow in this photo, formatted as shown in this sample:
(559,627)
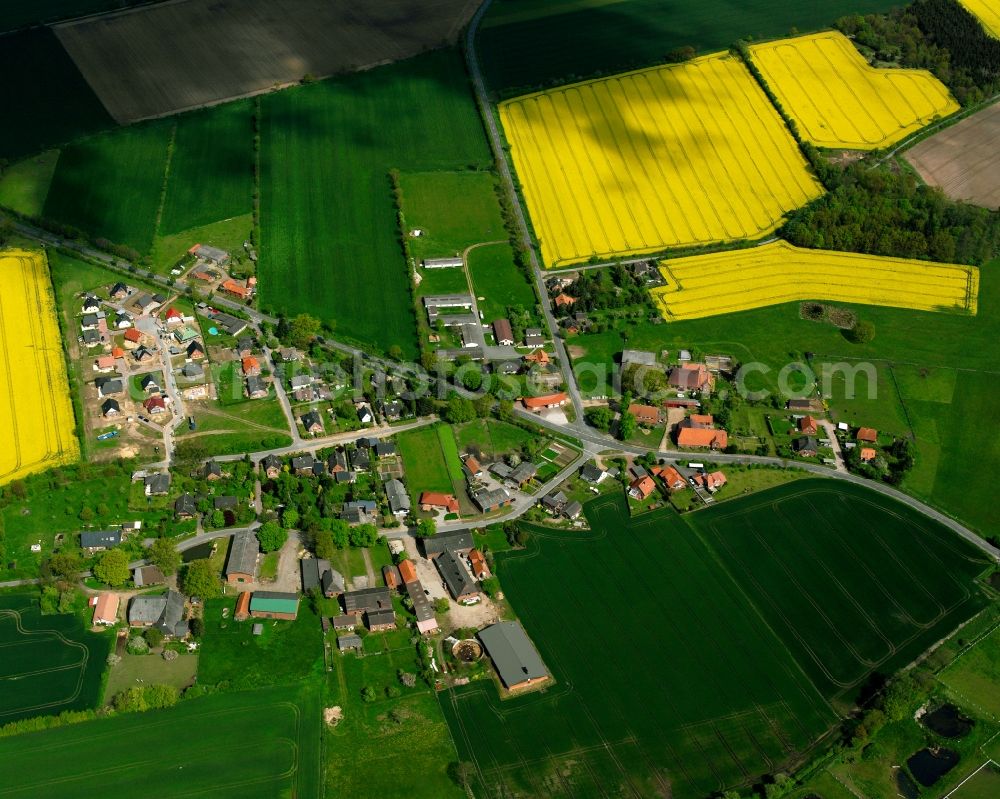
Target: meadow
(430,457)
(739,280)
(671,156)
(281,727)
(526,44)
(211,168)
(694,682)
(110,185)
(838,100)
(45,99)
(72,661)
(988,13)
(37,426)
(972,676)
(497,279)
(25,185)
(490,437)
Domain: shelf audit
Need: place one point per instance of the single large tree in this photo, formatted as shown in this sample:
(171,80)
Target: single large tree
(271,536)
(112,567)
(164,554)
(201,579)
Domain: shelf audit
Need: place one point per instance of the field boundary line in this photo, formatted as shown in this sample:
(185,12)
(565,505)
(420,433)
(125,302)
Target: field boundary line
(954,790)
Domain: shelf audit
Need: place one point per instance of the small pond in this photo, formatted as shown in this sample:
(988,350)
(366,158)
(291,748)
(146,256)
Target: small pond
(930,765)
(947,721)
(905,785)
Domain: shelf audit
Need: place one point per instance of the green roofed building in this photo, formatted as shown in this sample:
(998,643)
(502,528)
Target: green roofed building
(274,605)
(515,658)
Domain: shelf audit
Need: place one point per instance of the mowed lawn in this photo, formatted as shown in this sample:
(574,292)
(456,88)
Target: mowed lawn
(248,745)
(529,43)
(45,99)
(211,169)
(430,457)
(50,663)
(690,678)
(110,185)
(942,373)
(496,278)
(329,234)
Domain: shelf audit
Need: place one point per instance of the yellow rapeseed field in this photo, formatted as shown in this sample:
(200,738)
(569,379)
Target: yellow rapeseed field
(670,156)
(36,415)
(739,280)
(988,12)
(838,100)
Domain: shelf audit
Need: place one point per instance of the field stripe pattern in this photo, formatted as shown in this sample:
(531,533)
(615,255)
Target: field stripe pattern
(838,100)
(740,280)
(36,416)
(664,157)
(987,12)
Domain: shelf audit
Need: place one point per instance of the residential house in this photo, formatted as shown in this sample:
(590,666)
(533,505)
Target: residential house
(91,338)
(105,609)
(164,612)
(379,620)
(867,454)
(517,662)
(256,388)
(108,386)
(241,565)
(155,405)
(564,300)
(225,502)
(522,474)
(867,434)
(271,465)
(533,337)
(699,438)
(106,363)
(344,622)
(456,577)
(646,415)
(193,371)
(274,605)
(359,511)
(336,461)
(691,377)
(132,338)
(539,357)
(477,564)
(149,384)
(89,322)
(807,426)
(250,366)
(157,484)
(547,401)
(554,502)
(671,478)
(110,408)
(289,354)
(712,481)
(245,347)
(122,321)
(591,473)
(312,422)
(360,460)
(503,333)
(300,381)
(346,478)
(347,643)
(211,254)
(456,541)
(641,487)
(390,574)
(399,499)
(433,500)
(185,507)
(472,468)
(142,355)
(384,449)
(173,317)
(302,465)
(195,351)
(237,289)
(806,446)
(119,291)
(365,415)
(92,541)
(145,576)
(366,600)
(573,510)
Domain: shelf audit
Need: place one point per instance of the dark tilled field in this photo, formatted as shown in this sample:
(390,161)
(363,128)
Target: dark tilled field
(162,59)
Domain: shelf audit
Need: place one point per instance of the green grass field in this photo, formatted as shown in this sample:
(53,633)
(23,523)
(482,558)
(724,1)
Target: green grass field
(251,745)
(530,43)
(110,185)
(151,669)
(430,457)
(329,235)
(286,652)
(49,664)
(984,784)
(496,278)
(25,185)
(229,234)
(45,99)
(942,375)
(492,438)
(974,675)
(211,171)
(453,209)
(673,667)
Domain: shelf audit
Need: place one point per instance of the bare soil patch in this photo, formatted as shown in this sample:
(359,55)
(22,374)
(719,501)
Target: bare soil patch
(964,159)
(166,58)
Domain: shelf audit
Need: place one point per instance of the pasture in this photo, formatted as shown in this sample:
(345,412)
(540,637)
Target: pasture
(696,683)
(329,235)
(988,12)
(25,185)
(45,99)
(526,44)
(430,457)
(497,279)
(233,48)
(211,168)
(672,156)
(726,282)
(972,676)
(36,414)
(110,186)
(280,727)
(839,100)
(963,160)
(49,664)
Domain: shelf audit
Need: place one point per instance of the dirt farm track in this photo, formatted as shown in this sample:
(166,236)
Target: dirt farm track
(178,55)
(964,159)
